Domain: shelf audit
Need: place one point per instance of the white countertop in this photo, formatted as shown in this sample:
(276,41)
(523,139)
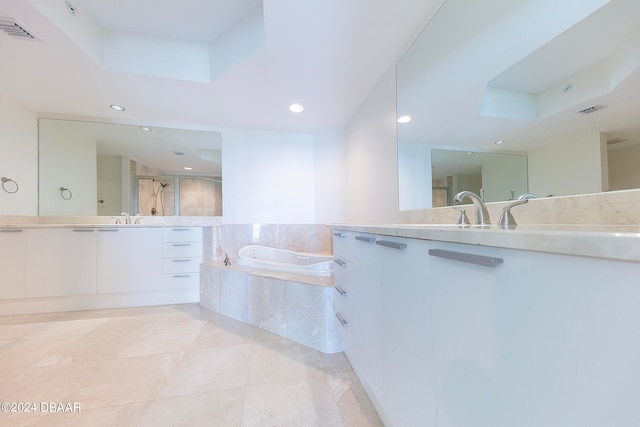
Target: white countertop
(621,242)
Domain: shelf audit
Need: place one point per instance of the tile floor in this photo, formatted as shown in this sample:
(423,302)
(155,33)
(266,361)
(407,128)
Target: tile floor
(177,365)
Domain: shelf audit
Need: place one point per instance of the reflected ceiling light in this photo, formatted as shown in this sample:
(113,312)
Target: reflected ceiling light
(296,108)
(117,107)
(145,128)
(187,168)
(404,119)
(468,152)
(499,142)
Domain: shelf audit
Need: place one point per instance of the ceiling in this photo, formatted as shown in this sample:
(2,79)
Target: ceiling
(324,54)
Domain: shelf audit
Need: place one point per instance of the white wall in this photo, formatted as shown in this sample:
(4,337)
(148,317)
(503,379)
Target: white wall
(329,176)
(66,160)
(267,177)
(19,158)
(372,157)
(567,167)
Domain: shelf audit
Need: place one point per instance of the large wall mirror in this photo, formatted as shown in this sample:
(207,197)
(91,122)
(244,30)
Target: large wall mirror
(554,82)
(90,168)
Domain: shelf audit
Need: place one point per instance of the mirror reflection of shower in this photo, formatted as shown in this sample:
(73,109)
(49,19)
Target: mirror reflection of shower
(157,195)
(169,195)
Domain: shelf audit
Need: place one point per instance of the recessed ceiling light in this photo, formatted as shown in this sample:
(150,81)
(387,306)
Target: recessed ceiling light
(296,108)
(145,128)
(187,168)
(404,119)
(117,107)
(468,152)
(499,142)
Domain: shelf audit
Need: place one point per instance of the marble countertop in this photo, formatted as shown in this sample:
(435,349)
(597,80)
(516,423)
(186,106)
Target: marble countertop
(621,242)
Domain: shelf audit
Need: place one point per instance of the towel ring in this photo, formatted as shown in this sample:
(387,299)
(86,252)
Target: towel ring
(4,182)
(65,191)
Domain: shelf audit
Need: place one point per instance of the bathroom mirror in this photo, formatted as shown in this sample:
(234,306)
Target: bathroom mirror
(90,168)
(555,82)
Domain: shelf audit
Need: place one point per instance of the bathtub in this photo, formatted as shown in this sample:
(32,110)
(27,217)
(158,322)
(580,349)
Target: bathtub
(267,258)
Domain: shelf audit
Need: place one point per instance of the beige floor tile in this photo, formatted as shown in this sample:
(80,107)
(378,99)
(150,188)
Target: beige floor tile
(164,337)
(210,370)
(223,332)
(335,362)
(128,415)
(65,327)
(302,402)
(219,408)
(354,405)
(129,380)
(281,359)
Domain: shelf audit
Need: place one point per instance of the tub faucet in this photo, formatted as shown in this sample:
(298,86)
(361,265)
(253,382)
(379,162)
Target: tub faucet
(526,196)
(127,218)
(482,214)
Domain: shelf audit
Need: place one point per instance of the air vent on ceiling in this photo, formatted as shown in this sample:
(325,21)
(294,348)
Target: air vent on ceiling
(616,141)
(14,29)
(592,109)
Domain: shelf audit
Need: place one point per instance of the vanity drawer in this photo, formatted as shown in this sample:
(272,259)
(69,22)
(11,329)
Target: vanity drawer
(180,281)
(182,234)
(181,265)
(182,250)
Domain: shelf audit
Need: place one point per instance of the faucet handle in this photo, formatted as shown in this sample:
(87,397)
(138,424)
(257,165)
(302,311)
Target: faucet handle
(463,220)
(506,219)
(117,219)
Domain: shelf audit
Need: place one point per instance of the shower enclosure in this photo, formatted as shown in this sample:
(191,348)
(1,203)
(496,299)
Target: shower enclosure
(176,195)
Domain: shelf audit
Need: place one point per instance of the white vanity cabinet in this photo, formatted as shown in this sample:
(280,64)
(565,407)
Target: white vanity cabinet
(12,263)
(181,257)
(357,301)
(129,259)
(535,339)
(407,331)
(60,262)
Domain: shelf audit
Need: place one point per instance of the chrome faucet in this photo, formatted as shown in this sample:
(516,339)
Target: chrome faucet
(482,214)
(127,218)
(526,196)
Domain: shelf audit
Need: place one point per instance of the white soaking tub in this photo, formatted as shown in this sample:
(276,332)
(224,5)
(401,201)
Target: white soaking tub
(268,258)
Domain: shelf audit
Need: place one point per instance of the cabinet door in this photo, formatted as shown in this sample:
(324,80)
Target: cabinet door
(60,262)
(365,351)
(407,332)
(129,260)
(12,263)
(537,340)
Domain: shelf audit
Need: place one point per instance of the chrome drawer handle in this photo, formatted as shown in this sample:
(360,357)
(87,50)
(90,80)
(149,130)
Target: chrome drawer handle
(366,239)
(340,262)
(341,291)
(181,260)
(107,229)
(342,320)
(485,261)
(11,231)
(82,230)
(181,276)
(182,244)
(339,234)
(180,229)
(393,245)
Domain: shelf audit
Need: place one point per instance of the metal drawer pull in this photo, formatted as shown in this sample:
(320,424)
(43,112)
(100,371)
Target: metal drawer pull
(388,244)
(342,320)
(339,234)
(181,276)
(11,231)
(180,229)
(108,229)
(340,262)
(485,261)
(182,244)
(341,291)
(80,230)
(182,260)
(366,239)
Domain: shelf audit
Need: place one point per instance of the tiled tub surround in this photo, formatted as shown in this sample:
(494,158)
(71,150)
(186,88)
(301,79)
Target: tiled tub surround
(298,307)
